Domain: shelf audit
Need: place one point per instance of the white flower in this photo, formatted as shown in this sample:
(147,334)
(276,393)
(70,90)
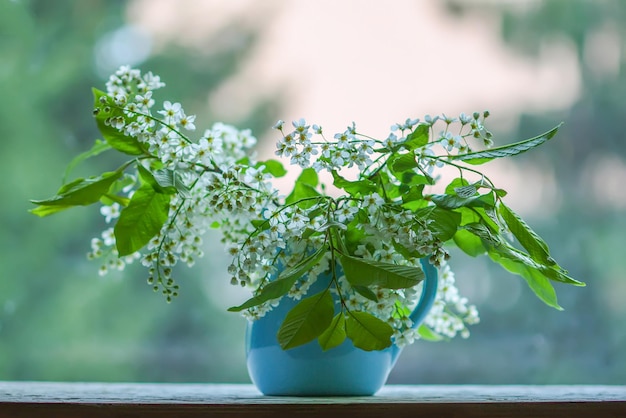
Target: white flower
(302,159)
(391,141)
(172,112)
(409,124)
(286,146)
(297,222)
(276,229)
(344,139)
(187,121)
(365,146)
(464,119)
(430,120)
(279,125)
(110,212)
(373,202)
(338,157)
(120,99)
(108,237)
(255,177)
(450,141)
(326,149)
(345,213)
(103,270)
(426,160)
(447,119)
(152,82)
(145,101)
(300,125)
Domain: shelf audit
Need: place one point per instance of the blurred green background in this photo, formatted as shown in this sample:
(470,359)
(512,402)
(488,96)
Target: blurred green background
(60,321)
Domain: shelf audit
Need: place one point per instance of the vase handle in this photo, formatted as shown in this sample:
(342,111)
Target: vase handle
(429,293)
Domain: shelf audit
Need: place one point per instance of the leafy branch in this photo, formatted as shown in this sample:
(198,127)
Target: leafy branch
(376,234)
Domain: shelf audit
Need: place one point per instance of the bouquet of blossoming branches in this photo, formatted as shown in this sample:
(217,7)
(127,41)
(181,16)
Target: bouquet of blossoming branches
(368,236)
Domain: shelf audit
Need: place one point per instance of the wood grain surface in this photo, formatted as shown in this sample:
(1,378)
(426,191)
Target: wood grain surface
(51,399)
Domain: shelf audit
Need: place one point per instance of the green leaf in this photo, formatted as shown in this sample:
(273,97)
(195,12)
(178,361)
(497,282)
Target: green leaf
(112,195)
(402,163)
(411,178)
(273,167)
(260,224)
(413,198)
(335,334)
(368,332)
(428,334)
(386,184)
(108,199)
(456,183)
(405,252)
(500,193)
(150,178)
(362,272)
(354,188)
(304,189)
(489,218)
(469,243)
(301,195)
(483,232)
(46,210)
(554,272)
(466,191)
(80,192)
(535,279)
(444,222)
(245,160)
(468,215)
(537,276)
(533,243)
(366,292)
(449,201)
(141,220)
(307,320)
(481,157)
(557,274)
(353,236)
(97,148)
(418,138)
(116,139)
(486,201)
(168,179)
(122,183)
(285,281)
(308,176)
(400,310)
(163,181)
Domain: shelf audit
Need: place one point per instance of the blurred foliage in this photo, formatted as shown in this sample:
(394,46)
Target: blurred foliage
(58,321)
(526,343)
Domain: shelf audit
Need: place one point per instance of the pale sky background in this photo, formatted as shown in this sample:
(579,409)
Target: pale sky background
(370,61)
(377,63)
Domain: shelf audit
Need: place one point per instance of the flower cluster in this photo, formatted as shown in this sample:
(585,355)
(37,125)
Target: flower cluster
(366,243)
(348,148)
(220,190)
(207,166)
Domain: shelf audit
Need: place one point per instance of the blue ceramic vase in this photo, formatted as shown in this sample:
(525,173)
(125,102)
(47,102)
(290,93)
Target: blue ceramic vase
(307,370)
